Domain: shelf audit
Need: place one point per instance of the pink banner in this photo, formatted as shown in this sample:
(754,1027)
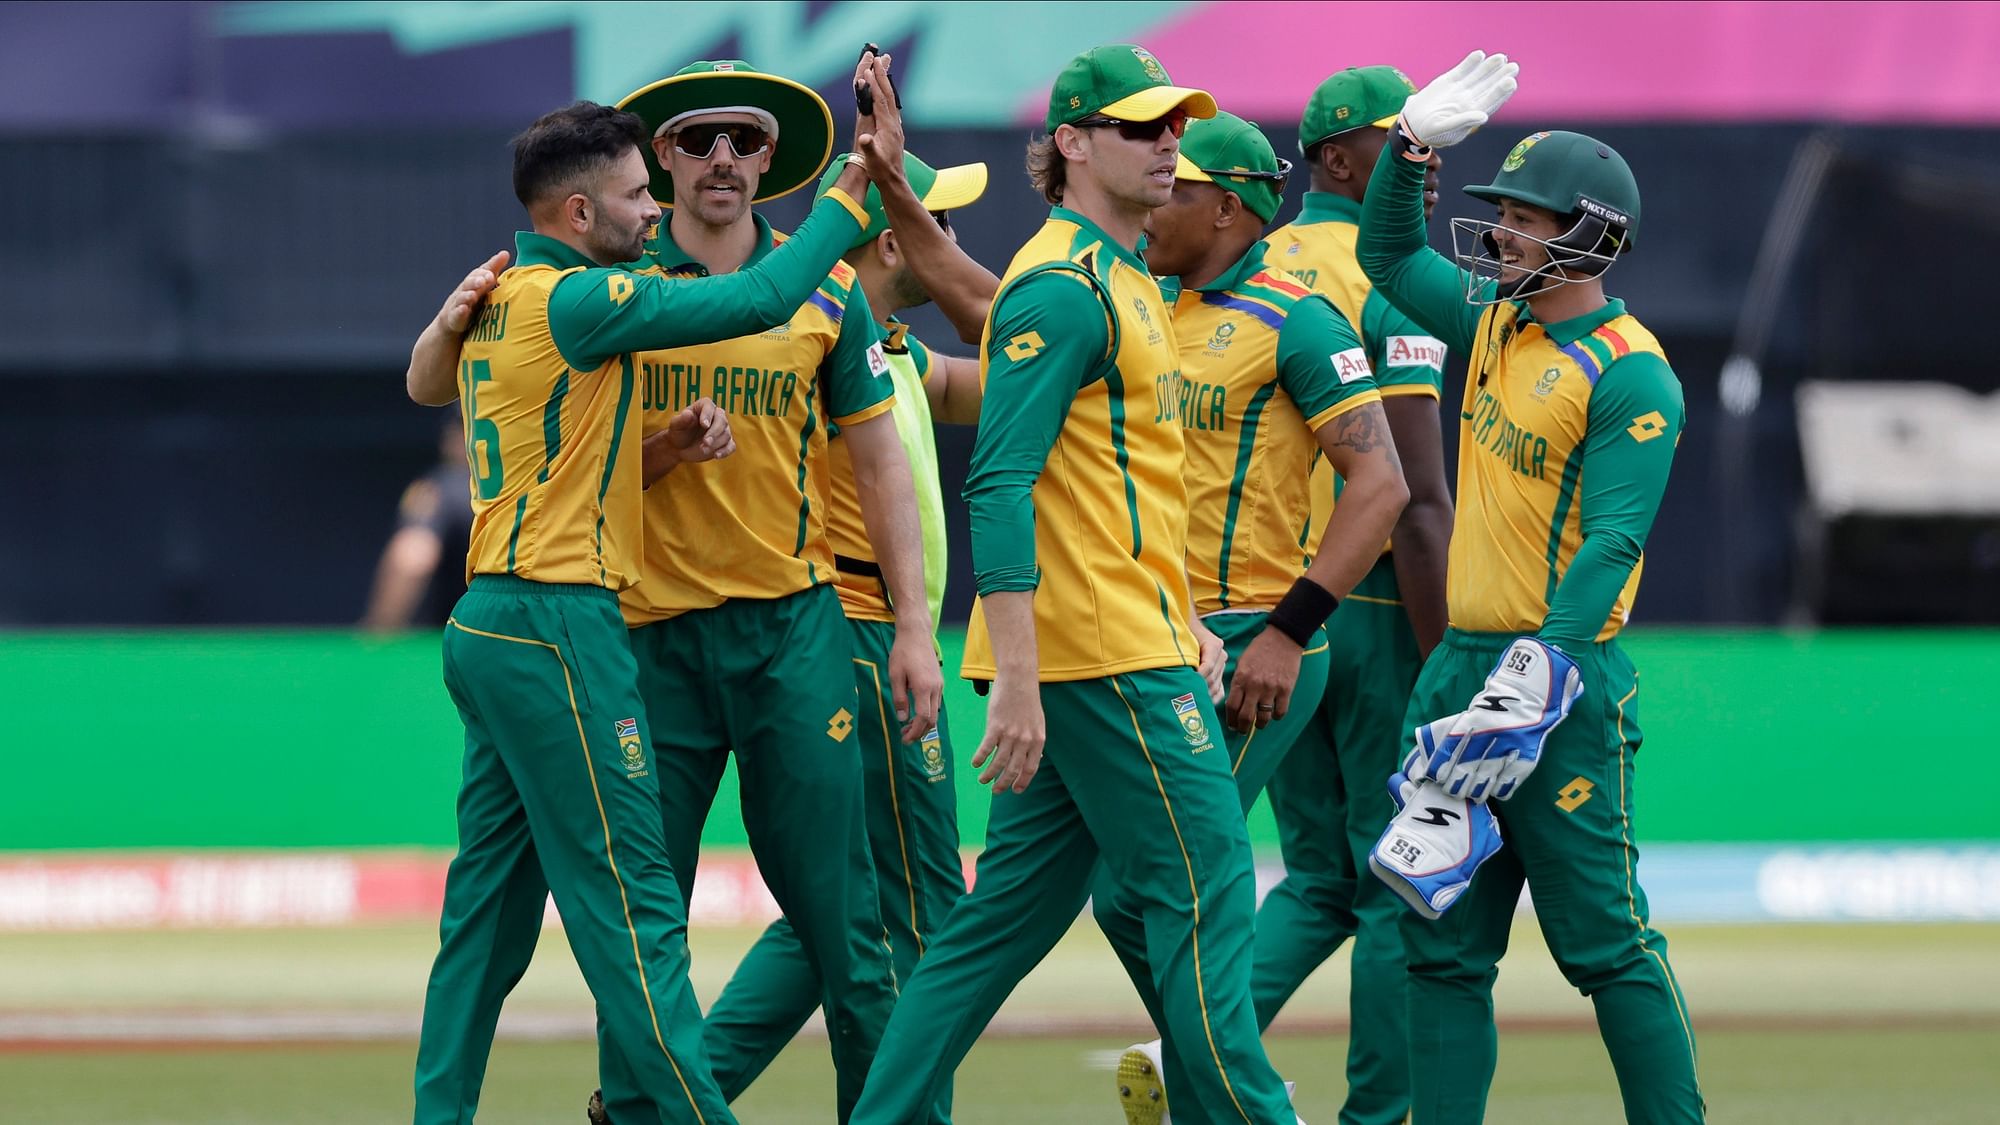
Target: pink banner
(1936,63)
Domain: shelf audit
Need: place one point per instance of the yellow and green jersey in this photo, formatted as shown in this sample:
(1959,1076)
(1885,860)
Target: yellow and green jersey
(1075,488)
(753,525)
(1566,438)
(1318,246)
(1265,362)
(863,594)
(547,383)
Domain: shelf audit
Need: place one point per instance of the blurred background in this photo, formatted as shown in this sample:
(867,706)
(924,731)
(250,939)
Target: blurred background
(227,762)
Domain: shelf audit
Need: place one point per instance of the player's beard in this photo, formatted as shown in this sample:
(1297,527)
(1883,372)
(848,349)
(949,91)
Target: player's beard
(906,290)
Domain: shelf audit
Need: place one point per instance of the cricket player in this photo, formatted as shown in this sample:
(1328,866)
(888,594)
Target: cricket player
(1566,436)
(557,794)
(1082,629)
(911,808)
(1272,379)
(736,621)
(1327,795)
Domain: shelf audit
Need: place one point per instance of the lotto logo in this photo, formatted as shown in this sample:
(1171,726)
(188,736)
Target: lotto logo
(839,725)
(1414,351)
(1574,794)
(1647,426)
(620,286)
(1025,346)
(1350,365)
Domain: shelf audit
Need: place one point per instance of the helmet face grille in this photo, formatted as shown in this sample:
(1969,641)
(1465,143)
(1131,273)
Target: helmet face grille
(1578,254)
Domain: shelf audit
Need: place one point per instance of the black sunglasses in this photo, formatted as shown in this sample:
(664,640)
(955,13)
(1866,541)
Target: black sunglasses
(1175,120)
(1279,177)
(699,141)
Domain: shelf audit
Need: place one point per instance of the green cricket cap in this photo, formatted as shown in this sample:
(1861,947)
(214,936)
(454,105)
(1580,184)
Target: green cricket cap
(1213,148)
(1122,81)
(941,189)
(800,124)
(1357,96)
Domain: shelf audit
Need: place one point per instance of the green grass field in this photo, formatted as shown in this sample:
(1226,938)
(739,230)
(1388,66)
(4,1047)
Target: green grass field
(1797,1024)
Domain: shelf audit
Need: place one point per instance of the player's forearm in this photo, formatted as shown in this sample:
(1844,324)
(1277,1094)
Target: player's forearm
(889,511)
(432,379)
(1010,625)
(1422,537)
(407,562)
(1358,446)
(960,393)
(1392,250)
(1589,588)
(961,288)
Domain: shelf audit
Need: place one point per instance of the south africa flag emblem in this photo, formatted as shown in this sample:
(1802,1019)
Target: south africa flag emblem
(1192,727)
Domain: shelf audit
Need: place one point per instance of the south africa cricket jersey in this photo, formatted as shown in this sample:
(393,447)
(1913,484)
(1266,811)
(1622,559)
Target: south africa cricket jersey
(1264,363)
(863,595)
(1531,411)
(754,525)
(1075,487)
(1318,246)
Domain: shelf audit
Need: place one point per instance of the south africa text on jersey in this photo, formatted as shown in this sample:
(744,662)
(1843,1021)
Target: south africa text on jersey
(1199,406)
(744,391)
(1523,451)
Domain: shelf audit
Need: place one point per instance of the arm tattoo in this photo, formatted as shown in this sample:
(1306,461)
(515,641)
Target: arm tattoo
(1363,429)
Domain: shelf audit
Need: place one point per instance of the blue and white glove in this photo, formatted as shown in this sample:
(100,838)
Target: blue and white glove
(1486,750)
(1433,845)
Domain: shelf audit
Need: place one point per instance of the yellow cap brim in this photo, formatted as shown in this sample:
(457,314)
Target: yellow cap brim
(1184,169)
(1155,102)
(1386,122)
(956,187)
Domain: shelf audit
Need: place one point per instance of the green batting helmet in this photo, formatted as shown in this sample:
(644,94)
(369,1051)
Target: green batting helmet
(1572,174)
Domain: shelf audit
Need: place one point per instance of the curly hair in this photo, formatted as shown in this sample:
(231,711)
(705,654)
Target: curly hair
(1048,169)
(567,146)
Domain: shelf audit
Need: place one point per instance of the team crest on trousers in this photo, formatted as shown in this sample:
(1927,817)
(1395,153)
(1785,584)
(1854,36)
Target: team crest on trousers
(630,747)
(1192,727)
(933,756)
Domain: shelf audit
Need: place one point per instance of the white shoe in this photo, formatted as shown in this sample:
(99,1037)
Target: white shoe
(1142,1085)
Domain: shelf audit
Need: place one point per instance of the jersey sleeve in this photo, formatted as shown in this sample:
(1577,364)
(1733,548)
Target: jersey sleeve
(1394,254)
(1411,359)
(1636,418)
(599,313)
(1048,338)
(1321,363)
(858,383)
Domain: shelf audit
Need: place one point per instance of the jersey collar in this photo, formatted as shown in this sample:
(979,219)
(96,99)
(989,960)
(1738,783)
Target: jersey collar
(674,260)
(1245,267)
(531,249)
(1567,332)
(1136,261)
(1328,207)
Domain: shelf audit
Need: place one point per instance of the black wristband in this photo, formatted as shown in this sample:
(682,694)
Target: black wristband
(1304,608)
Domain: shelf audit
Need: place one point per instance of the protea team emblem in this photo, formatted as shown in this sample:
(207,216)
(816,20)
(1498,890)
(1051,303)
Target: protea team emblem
(1519,156)
(933,748)
(1149,64)
(1547,382)
(1192,727)
(1223,332)
(629,745)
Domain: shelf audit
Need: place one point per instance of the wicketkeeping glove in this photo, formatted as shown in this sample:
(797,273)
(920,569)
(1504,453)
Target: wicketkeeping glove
(1433,845)
(1456,103)
(1485,750)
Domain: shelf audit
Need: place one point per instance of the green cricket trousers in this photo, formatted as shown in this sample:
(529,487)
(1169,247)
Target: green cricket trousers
(1253,755)
(558,795)
(1330,798)
(1133,771)
(912,817)
(773,682)
(1569,836)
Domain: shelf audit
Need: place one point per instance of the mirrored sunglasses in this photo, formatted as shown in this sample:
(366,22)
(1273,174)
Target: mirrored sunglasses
(699,140)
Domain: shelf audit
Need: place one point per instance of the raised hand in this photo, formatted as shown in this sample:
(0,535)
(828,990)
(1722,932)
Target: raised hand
(1456,103)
